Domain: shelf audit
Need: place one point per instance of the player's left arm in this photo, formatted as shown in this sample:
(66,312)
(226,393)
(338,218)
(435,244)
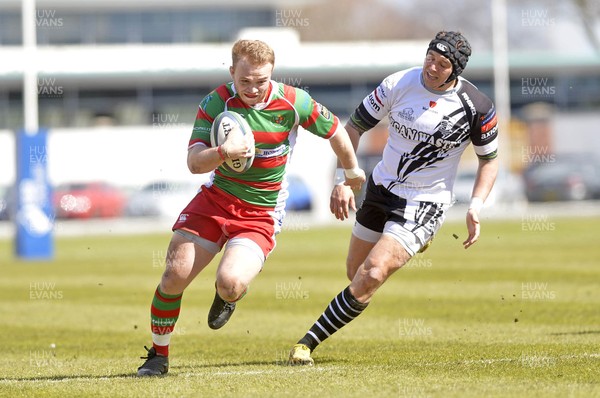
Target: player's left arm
(317,119)
(344,150)
(342,198)
(487,171)
(367,115)
(484,136)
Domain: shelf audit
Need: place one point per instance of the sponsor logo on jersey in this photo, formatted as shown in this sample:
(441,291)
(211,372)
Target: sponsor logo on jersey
(445,126)
(381,91)
(489,125)
(374,103)
(421,136)
(278,119)
(205,102)
(491,133)
(270,153)
(407,114)
(489,116)
(324,111)
(432,104)
(183,217)
(470,103)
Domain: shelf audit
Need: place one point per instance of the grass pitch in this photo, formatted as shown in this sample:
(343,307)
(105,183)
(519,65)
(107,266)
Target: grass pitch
(515,315)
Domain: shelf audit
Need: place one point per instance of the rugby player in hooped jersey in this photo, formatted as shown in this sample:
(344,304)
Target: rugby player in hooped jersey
(433,116)
(244,211)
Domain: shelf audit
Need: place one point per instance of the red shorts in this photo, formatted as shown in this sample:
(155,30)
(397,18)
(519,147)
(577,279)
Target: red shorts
(217,216)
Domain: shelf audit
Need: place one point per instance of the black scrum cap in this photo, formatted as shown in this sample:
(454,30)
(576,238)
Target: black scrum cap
(453,46)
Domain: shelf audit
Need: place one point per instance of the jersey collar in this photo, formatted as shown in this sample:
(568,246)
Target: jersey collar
(270,94)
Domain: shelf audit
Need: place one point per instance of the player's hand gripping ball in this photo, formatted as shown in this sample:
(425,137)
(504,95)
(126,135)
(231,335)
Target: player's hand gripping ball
(229,129)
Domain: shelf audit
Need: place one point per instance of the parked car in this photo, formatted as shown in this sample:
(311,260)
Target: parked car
(508,188)
(566,177)
(88,199)
(300,198)
(161,198)
(167,198)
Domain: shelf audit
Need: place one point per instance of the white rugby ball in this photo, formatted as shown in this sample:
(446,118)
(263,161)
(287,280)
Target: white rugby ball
(225,123)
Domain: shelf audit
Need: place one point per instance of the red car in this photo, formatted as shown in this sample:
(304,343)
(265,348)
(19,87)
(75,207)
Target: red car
(88,199)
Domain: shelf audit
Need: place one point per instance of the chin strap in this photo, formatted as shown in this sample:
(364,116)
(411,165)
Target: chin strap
(442,85)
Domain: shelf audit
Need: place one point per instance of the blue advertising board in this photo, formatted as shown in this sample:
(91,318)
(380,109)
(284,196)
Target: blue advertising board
(34,216)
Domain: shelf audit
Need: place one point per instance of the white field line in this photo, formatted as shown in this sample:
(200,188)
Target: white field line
(491,361)
(295,369)
(65,378)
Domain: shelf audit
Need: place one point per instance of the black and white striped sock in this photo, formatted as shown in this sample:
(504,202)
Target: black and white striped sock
(342,309)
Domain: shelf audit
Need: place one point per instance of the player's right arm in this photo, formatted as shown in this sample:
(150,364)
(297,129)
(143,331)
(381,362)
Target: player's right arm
(353,133)
(342,199)
(317,119)
(369,112)
(202,157)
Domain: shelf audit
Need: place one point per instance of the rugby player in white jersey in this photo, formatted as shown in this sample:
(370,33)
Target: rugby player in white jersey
(433,116)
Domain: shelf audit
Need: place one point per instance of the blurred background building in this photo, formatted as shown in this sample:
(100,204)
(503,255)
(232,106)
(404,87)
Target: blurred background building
(121,78)
(121,62)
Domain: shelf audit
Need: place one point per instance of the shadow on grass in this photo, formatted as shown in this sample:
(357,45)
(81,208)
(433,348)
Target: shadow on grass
(174,371)
(279,364)
(69,377)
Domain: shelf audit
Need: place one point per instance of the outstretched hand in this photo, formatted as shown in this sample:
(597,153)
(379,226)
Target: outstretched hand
(341,201)
(473,228)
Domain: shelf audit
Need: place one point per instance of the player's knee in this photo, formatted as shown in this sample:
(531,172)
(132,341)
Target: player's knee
(229,288)
(176,276)
(171,283)
(374,273)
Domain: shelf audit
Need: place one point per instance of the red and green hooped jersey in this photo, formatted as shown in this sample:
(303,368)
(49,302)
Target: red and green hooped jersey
(275,126)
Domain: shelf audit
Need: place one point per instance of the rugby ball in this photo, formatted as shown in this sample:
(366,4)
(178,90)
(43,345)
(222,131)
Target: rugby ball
(226,123)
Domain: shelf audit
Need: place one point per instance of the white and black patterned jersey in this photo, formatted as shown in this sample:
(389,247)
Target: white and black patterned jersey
(428,132)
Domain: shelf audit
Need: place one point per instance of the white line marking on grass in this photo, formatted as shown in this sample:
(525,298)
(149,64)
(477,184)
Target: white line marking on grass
(290,369)
(491,361)
(66,378)
(293,369)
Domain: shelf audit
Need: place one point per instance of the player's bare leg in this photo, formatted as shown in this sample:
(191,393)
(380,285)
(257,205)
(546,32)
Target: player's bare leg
(387,257)
(183,262)
(357,253)
(241,263)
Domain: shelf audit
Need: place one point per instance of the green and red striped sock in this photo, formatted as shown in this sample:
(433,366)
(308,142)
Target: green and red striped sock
(163,316)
